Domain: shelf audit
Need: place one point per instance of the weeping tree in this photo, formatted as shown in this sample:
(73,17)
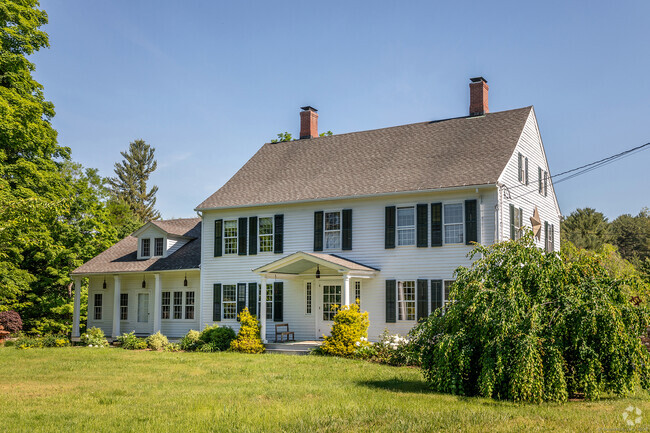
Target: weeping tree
(531,326)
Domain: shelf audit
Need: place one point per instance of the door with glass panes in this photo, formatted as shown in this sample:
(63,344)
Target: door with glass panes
(329,301)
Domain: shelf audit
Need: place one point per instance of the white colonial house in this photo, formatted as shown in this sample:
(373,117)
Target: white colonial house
(382,218)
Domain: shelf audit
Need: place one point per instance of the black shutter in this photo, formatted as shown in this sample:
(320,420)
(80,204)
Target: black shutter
(422,226)
(521,220)
(241,298)
(552,237)
(436,224)
(347,229)
(422,303)
(318,230)
(252,235)
(471,222)
(526,169)
(252,298)
(243,225)
(391,301)
(546,243)
(436,295)
(216,303)
(278,242)
(218,238)
(539,182)
(277,301)
(512,222)
(390,227)
(519,164)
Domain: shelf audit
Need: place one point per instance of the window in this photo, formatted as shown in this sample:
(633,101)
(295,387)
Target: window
(405,226)
(230,236)
(166,305)
(453,222)
(158,247)
(124,306)
(517,222)
(178,305)
(229,301)
(522,168)
(308,298)
(331,301)
(146,247)
(406,300)
(448,284)
(189,305)
(266,234)
(332,230)
(269,300)
(98,306)
(545,183)
(357,293)
(549,242)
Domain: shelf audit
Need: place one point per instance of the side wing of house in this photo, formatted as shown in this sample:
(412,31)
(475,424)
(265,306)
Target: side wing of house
(526,194)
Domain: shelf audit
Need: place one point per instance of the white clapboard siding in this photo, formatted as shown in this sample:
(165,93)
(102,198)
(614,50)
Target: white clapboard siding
(173,244)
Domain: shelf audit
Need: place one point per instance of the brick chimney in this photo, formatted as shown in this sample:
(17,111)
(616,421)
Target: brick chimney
(478,96)
(308,122)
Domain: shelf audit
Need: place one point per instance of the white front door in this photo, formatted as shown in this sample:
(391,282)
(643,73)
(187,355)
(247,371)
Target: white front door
(329,300)
(142,325)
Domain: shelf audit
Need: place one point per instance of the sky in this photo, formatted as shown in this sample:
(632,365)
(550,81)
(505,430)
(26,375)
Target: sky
(207,83)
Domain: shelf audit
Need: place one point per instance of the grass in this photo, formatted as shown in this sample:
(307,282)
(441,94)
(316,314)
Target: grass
(98,390)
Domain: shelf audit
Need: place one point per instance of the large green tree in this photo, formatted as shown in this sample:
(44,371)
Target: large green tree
(585,228)
(631,234)
(131,176)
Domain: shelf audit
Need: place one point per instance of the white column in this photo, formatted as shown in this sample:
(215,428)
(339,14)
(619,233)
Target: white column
(77,307)
(262,314)
(346,289)
(157,302)
(116,305)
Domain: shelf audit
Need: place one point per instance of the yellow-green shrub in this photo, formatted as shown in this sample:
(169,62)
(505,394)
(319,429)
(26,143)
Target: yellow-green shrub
(157,341)
(248,339)
(350,327)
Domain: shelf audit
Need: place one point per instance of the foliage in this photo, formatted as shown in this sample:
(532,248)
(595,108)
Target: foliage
(248,338)
(94,337)
(11,321)
(190,341)
(531,326)
(631,234)
(396,350)
(130,181)
(218,338)
(585,228)
(38,342)
(285,136)
(131,342)
(157,341)
(172,347)
(350,326)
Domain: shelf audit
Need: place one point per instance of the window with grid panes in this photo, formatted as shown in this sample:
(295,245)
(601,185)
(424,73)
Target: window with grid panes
(230,236)
(357,293)
(332,230)
(189,305)
(308,298)
(124,306)
(265,234)
(331,301)
(98,306)
(178,305)
(229,301)
(166,305)
(406,300)
(406,226)
(453,222)
(146,247)
(158,246)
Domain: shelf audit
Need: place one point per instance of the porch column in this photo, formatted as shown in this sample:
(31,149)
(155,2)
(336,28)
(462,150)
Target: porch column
(116,306)
(346,289)
(157,301)
(263,310)
(77,307)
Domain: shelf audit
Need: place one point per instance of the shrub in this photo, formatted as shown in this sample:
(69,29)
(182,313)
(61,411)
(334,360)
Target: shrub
(396,350)
(94,337)
(11,321)
(208,347)
(527,325)
(172,347)
(248,339)
(37,342)
(190,341)
(157,341)
(219,337)
(350,327)
(131,342)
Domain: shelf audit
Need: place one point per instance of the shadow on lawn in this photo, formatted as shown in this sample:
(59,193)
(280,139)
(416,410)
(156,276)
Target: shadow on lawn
(396,385)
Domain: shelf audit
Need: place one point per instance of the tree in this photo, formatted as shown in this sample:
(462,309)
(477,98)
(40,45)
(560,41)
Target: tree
(527,325)
(130,182)
(632,236)
(585,228)
(285,136)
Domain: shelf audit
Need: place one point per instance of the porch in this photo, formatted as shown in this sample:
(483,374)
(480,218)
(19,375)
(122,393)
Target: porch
(292,347)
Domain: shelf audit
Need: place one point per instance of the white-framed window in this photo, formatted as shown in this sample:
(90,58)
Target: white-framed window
(229,301)
(447,287)
(124,306)
(145,250)
(158,246)
(453,223)
(333,230)
(308,298)
(265,234)
(518,222)
(522,168)
(406,300)
(269,300)
(189,305)
(166,305)
(175,304)
(178,305)
(98,306)
(357,293)
(230,236)
(406,225)
(331,301)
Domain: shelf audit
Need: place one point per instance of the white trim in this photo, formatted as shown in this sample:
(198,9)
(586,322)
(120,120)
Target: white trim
(415,224)
(340,230)
(236,237)
(259,236)
(462,223)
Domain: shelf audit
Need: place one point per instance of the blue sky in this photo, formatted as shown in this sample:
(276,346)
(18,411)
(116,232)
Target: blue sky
(207,83)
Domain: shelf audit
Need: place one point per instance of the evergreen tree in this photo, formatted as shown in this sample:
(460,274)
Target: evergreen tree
(585,228)
(130,182)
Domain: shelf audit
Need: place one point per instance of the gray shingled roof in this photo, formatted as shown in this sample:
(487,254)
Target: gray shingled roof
(122,257)
(457,152)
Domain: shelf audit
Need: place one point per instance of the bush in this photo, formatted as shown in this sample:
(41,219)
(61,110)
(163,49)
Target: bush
(248,339)
(172,347)
(527,325)
(219,337)
(37,342)
(396,350)
(11,321)
(190,341)
(208,347)
(350,327)
(94,337)
(157,341)
(131,342)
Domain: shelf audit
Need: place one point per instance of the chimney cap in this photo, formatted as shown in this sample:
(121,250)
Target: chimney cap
(478,80)
(308,108)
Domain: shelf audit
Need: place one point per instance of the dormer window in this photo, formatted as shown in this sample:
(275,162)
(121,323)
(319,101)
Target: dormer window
(145,250)
(159,250)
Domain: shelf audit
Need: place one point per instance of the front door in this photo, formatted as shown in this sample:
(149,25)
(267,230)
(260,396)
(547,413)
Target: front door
(142,323)
(328,304)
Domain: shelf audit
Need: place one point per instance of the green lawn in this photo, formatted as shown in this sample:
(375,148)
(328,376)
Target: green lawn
(94,390)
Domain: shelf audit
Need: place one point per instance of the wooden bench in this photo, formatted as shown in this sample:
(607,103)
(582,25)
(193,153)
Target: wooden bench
(283,334)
